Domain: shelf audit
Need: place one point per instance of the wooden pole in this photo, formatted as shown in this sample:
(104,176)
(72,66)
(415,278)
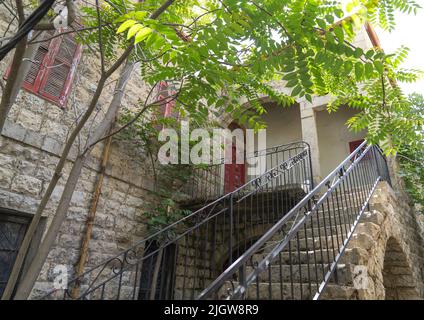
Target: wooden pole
(90,219)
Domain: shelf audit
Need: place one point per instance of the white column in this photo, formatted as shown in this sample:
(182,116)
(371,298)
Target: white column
(310,135)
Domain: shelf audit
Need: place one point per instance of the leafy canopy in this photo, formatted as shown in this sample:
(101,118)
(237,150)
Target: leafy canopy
(223,53)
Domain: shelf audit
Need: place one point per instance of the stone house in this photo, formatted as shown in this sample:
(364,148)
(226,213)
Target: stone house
(31,143)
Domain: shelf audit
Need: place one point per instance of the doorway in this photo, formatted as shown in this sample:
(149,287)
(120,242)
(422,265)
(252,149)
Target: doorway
(235,173)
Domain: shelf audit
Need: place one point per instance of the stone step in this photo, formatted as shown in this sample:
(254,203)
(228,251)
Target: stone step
(309,243)
(289,291)
(316,232)
(351,255)
(303,273)
(327,217)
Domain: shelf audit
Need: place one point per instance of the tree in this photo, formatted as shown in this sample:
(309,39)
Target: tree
(411,155)
(218,53)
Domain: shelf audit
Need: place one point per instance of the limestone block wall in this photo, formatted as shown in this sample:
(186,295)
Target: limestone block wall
(30,146)
(386,253)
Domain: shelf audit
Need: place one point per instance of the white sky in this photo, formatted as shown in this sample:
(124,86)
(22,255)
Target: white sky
(409,32)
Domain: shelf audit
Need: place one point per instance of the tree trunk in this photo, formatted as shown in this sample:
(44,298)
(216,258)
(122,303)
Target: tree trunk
(90,219)
(28,280)
(46,197)
(11,89)
(34,269)
(29,56)
(156,275)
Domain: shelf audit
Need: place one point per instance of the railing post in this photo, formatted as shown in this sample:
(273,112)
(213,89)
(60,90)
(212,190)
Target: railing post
(230,242)
(310,166)
(374,151)
(242,278)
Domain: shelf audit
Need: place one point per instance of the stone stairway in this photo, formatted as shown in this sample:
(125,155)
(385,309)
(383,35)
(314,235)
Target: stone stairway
(297,272)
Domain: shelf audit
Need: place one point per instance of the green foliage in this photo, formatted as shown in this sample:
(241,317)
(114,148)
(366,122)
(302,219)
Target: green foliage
(223,53)
(163,214)
(411,156)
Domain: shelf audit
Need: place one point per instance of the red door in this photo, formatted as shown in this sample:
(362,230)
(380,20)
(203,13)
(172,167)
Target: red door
(354,144)
(235,173)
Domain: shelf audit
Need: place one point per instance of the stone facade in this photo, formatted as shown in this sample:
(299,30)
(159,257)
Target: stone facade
(386,253)
(386,242)
(30,146)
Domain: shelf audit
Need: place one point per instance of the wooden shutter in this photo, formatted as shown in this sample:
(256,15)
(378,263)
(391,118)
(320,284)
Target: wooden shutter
(38,66)
(53,67)
(32,80)
(167,108)
(64,55)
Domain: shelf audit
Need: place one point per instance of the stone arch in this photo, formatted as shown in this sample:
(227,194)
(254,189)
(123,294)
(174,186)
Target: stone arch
(226,118)
(398,279)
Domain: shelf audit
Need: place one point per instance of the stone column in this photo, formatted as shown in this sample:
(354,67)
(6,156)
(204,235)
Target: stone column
(310,135)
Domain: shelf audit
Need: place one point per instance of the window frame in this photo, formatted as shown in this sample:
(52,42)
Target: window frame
(14,216)
(44,71)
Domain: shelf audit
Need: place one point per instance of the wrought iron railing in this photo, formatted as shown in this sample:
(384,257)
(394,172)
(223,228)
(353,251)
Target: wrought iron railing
(207,182)
(179,261)
(300,255)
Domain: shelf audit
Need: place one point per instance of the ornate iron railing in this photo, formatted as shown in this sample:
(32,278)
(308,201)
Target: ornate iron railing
(300,255)
(179,261)
(208,182)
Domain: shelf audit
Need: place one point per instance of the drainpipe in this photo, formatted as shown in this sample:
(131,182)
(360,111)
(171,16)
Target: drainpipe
(90,219)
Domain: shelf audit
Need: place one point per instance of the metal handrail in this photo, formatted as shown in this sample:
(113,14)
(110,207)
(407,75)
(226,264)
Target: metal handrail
(201,217)
(207,180)
(333,180)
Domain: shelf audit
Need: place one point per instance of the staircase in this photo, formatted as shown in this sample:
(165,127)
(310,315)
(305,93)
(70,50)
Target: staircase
(296,273)
(276,237)
(305,255)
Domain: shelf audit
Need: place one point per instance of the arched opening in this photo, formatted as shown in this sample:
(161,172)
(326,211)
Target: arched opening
(399,283)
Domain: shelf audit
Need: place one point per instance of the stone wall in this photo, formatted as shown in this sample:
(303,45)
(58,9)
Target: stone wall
(30,146)
(386,253)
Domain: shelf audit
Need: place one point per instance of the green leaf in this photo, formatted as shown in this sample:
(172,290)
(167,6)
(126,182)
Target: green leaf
(359,70)
(369,70)
(369,54)
(321,23)
(329,18)
(142,34)
(379,66)
(348,67)
(133,30)
(339,33)
(358,53)
(296,90)
(140,15)
(125,25)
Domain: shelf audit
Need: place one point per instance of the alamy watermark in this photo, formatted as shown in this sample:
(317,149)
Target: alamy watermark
(213,146)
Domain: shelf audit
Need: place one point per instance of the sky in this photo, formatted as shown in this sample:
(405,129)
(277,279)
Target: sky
(409,32)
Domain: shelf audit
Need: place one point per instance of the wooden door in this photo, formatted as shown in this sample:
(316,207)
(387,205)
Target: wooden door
(235,173)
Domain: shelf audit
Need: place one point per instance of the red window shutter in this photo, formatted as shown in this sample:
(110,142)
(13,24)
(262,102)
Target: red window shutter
(64,55)
(167,109)
(32,80)
(162,94)
(38,66)
(53,67)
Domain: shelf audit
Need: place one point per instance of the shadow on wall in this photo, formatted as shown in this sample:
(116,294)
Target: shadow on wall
(399,283)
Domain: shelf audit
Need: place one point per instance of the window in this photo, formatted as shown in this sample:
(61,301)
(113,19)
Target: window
(53,69)
(165,91)
(13,226)
(355,144)
(165,271)
(12,232)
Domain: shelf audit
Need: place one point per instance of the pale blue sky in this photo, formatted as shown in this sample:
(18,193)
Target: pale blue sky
(410,33)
